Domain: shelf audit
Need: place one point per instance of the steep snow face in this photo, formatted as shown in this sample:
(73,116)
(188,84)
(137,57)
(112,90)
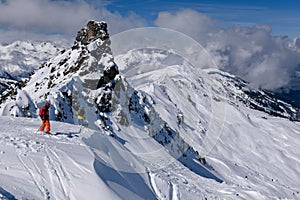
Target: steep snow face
(138,62)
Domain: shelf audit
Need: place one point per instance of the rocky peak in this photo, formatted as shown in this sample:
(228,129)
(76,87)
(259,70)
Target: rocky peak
(91,32)
(87,67)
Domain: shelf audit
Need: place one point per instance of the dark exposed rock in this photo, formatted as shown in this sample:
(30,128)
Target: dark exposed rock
(93,31)
(97,29)
(108,75)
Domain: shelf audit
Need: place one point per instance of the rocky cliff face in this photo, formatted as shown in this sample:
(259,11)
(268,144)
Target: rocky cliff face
(91,32)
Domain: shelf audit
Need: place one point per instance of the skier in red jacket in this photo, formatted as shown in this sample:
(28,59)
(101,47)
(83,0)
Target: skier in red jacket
(44,114)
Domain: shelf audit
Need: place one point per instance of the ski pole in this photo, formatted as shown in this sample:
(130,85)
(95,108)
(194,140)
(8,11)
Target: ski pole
(39,128)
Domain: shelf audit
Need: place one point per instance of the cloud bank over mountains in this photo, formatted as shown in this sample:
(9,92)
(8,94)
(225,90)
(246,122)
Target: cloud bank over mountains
(252,53)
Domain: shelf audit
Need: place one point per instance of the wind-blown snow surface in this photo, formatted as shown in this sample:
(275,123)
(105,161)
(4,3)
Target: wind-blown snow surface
(261,162)
(82,164)
(37,166)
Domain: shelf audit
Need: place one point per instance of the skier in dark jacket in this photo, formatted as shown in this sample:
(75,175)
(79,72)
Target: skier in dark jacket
(44,114)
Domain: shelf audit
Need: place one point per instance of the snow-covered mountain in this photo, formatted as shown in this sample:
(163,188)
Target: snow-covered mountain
(235,90)
(21,58)
(295,44)
(178,132)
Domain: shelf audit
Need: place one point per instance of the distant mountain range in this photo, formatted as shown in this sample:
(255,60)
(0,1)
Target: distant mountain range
(21,58)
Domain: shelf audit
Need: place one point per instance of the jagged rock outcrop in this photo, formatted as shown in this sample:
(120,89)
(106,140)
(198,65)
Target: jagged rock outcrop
(91,32)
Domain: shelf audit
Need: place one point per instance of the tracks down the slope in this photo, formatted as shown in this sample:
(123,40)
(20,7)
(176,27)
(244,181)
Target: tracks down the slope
(56,168)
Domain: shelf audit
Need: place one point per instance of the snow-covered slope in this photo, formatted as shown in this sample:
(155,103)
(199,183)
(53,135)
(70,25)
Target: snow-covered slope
(219,117)
(40,167)
(80,163)
(178,132)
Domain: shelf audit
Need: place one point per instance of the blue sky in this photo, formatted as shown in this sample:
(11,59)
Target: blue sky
(32,17)
(282,16)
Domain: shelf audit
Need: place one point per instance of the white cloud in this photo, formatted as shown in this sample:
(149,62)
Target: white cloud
(10,36)
(118,23)
(256,56)
(251,53)
(45,15)
(187,21)
(63,17)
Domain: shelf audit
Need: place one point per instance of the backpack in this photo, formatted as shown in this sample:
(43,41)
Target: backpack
(44,113)
(81,112)
(41,112)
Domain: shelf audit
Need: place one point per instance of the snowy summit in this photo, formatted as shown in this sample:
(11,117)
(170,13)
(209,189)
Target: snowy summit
(154,127)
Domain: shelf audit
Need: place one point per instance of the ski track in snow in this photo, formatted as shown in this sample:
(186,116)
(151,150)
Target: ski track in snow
(46,162)
(32,176)
(27,144)
(174,195)
(53,164)
(23,148)
(58,171)
(154,186)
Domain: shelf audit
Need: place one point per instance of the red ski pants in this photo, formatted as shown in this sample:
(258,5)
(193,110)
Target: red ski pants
(46,123)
